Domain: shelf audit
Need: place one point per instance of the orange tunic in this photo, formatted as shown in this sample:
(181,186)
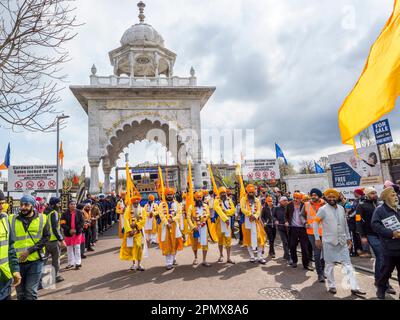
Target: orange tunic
(170,237)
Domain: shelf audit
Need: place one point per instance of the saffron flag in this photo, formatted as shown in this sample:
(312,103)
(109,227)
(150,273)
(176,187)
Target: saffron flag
(378,87)
(161,179)
(190,196)
(6,163)
(279,153)
(214,184)
(239,175)
(130,186)
(61,154)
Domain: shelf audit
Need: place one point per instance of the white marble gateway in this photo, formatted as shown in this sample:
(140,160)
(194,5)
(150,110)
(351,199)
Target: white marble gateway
(142,100)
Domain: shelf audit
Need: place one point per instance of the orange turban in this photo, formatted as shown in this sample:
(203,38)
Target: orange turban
(151,198)
(333,192)
(298,196)
(198,195)
(136,197)
(250,188)
(205,192)
(222,190)
(169,191)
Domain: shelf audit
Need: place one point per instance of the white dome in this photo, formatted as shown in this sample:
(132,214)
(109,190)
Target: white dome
(140,34)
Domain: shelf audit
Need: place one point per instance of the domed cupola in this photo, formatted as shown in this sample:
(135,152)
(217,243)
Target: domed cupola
(142,52)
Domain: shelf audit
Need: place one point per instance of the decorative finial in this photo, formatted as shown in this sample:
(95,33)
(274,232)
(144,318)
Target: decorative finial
(93,70)
(192,72)
(141,7)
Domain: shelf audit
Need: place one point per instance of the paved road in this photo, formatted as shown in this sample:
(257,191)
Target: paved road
(104,276)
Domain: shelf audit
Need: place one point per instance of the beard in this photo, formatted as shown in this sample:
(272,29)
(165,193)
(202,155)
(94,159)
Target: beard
(199,203)
(223,198)
(169,198)
(332,202)
(251,197)
(26,212)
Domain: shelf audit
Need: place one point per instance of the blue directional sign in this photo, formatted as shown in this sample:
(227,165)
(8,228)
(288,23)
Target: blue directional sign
(382,132)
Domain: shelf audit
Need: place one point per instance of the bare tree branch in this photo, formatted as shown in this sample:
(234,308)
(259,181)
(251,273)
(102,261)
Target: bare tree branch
(32,38)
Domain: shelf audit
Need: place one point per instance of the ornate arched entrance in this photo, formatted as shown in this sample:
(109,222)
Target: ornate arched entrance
(141,100)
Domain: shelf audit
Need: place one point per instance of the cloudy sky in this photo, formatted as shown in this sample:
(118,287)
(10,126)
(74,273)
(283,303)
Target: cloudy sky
(281,67)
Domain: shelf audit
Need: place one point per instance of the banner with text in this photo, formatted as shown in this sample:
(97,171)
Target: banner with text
(262,169)
(32,178)
(349,172)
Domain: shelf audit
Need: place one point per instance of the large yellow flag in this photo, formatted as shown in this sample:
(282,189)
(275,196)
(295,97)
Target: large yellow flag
(239,174)
(130,186)
(214,184)
(376,91)
(161,179)
(190,196)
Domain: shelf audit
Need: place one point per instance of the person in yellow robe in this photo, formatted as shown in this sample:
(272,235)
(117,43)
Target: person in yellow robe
(171,241)
(225,209)
(120,208)
(150,227)
(134,244)
(254,236)
(197,217)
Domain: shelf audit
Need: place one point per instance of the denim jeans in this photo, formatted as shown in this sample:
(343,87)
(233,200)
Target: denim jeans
(319,263)
(5,289)
(376,246)
(31,273)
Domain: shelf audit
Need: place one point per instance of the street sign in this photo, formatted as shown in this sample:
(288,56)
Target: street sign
(262,169)
(382,132)
(32,177)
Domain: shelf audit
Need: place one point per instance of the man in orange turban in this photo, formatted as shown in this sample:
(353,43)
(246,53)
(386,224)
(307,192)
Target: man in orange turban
(336,241)
(134,246)
(254,236)
(150,228)
(225,209)
(171,241)
(198,216)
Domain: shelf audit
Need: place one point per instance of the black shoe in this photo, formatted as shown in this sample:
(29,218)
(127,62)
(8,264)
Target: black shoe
(90,249)
(272,255)
(390,290)
(294,265)
(332,290)
(358,293)
(83,256)
(321,278)
(78,266)
(308,268)
(380,294)
(59,279)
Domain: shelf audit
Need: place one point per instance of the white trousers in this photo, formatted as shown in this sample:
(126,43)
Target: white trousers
(169,259)
(259,253)
(74,255)
(348,272)
(151,237)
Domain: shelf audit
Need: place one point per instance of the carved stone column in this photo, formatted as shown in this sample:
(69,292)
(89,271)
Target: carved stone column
(94,176)
(107,184)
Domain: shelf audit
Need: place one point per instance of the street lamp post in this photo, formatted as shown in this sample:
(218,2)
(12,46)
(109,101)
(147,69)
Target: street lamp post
(58,149)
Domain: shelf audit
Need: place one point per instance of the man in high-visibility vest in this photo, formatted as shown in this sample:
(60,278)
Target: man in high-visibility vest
(309,213)
(56,242)
(31,235)
(9,268)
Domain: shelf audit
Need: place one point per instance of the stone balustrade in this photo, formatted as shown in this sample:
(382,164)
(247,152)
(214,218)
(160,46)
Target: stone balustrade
(115,81)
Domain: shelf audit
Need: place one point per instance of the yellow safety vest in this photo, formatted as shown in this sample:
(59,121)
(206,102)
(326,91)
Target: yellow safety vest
(4,245)
(22,239)
(53,236)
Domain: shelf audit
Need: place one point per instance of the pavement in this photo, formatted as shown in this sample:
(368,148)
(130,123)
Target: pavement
(105,277)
